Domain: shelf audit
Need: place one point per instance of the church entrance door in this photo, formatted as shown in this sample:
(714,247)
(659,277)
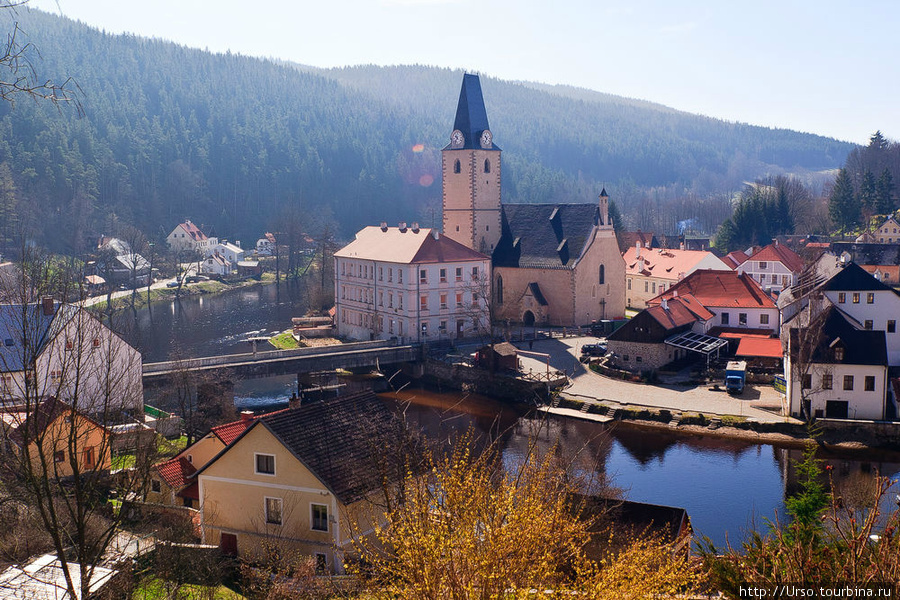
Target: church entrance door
(528,318)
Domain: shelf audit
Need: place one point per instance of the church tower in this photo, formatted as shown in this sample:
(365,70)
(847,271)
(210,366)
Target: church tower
(471,174)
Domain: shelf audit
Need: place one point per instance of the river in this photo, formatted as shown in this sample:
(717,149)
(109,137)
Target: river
(726,486)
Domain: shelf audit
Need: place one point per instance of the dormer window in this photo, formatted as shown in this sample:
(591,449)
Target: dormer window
(839,353)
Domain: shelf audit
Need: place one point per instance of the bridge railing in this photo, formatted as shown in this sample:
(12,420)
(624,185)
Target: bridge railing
(223,359)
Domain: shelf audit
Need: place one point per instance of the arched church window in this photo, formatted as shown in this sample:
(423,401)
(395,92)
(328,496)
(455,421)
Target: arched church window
(456,167)
(602,278)
(499,289)
(487,166)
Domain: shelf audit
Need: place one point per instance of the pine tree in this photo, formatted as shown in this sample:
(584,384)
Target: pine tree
(884,193)
(867,196)
(843,207)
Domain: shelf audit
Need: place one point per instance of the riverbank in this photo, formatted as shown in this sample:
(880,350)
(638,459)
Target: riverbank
(160,292)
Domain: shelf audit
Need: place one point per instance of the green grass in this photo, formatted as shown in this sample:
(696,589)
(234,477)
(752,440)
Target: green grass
(122,461)
(155,589)
(284,341)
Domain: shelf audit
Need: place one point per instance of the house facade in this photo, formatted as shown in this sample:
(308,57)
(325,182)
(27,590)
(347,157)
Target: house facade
(187,236)
(68,354)
(871,304)
(650,272)
(556,264)
(836,370)
(775,267)
(888,233)
(411,284)
(300,477)
(640,344)
(58,436)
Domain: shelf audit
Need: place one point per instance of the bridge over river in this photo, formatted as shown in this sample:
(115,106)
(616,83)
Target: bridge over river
(285,362)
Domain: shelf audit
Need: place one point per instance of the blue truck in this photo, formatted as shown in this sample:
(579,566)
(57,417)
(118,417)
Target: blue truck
(735,376)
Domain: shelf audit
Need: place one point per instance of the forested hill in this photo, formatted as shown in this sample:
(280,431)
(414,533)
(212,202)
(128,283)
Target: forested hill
(233,142)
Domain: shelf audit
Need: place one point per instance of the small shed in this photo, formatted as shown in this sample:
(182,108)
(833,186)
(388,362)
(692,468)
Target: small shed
(502,356)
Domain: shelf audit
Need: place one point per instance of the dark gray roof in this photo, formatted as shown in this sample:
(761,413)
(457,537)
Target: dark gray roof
(471,116)
(25,331)
(544,236)
(338,440)
(853,278)
(830,329)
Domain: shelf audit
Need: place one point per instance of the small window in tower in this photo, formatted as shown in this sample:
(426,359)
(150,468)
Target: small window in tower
(456,167)
(487,166)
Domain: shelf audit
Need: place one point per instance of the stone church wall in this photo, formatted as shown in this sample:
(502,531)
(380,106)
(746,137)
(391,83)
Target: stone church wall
(595,301)
(556,285)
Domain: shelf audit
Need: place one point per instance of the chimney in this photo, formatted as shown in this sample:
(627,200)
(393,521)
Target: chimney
(246,416)
(436,234)
(47,306)
(637,248)
(237,243)
(675,294)
(384,226)
(402,226)
(665,304)
(681,245)
(294,402)
(415,227)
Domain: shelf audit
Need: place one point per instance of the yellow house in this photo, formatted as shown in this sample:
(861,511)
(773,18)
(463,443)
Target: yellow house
(58,439)
(299,477)
(172,481)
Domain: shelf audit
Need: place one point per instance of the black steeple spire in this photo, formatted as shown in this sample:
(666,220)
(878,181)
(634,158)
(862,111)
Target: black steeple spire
(471,116)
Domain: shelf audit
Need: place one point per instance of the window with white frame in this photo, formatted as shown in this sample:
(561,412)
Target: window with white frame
(273,511)
(265,464)
(319,517)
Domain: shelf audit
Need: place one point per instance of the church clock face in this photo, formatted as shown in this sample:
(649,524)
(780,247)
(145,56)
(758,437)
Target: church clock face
(456,138)
(486,139)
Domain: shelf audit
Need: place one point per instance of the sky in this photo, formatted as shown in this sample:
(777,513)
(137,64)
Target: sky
(819,66)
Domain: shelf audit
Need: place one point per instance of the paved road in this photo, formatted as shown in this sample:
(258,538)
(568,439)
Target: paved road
(587,385)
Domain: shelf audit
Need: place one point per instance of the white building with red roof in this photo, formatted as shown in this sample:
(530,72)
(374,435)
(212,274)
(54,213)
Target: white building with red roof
(187,236)
(736,300)
(650,272)
(410,283)
(775,267)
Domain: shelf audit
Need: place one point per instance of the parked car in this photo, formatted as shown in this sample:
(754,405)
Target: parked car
(593,350)
(172,284)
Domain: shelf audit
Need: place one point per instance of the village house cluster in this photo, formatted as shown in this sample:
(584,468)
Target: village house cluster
(562,265)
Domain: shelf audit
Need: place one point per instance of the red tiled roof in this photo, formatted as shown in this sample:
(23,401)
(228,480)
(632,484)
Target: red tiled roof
(780,253)
(735,259)
(193,231)
(696,307)
(175,472)
(726,289)
(675,315)
(231,431)
(664,263)
(754,346)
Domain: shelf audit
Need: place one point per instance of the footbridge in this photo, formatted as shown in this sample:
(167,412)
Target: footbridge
(285,362)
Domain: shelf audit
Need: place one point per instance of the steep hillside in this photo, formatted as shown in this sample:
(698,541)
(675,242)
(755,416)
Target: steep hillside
(232,142)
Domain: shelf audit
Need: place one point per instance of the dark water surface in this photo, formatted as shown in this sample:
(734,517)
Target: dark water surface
(725,485)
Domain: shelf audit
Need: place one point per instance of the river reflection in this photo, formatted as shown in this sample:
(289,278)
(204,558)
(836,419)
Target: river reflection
(208,325)
(726,486)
